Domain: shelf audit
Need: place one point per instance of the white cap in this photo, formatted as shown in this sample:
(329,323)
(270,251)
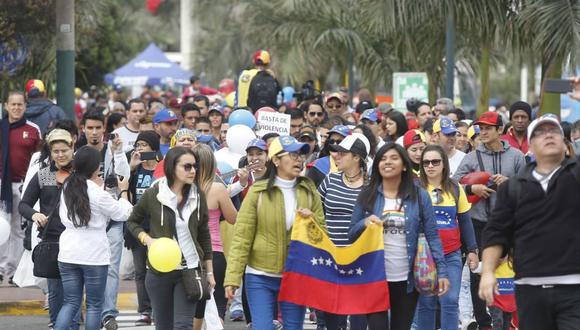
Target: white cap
(356,143)
(548,118)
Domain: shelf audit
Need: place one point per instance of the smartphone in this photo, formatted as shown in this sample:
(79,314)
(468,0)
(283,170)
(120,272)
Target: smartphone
(112,136)
(561,86)
(148,155)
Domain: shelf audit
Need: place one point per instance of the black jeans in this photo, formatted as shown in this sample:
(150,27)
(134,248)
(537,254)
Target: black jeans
(554,308)
(140,262)
(403,306)
(171,309)
(479,309)
(219,273)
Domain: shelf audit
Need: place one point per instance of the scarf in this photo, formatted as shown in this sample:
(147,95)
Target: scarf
(6,188)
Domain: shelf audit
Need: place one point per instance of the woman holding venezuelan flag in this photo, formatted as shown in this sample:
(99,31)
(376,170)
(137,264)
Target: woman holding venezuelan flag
(393,201)
(262,233)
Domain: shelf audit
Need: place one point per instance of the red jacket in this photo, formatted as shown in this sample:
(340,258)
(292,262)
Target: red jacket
(24,141)
(510,137)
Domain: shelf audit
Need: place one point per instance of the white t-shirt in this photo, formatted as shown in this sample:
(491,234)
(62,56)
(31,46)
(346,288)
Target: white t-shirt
(128,137)
(455,161)
(396,261)
(89,245)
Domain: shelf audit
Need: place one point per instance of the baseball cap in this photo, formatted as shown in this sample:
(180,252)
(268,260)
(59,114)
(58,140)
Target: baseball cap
(334,95)
(356,143)
(59,134)
(308,134)
(362,106)
(370,114)
(490,118)
(257,143)
(286,144)
(216,107)
(444,125)
(412,137)
(261,57)
(35,85)
(164,116)
(340,129)
(547,118)
(473,131)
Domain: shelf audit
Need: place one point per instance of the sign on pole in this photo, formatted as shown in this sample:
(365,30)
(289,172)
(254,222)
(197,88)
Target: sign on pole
(272,122)
(407,85)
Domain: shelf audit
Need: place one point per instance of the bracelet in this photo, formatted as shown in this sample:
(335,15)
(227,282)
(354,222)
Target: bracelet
(209,273)
(121,193)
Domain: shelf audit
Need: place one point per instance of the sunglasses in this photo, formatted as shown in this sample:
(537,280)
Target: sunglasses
(316,114)
(434,162)
(189,167)
(334,107)
(333,141)
(437,196)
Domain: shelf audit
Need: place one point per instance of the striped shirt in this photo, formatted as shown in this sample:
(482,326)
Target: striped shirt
(338,200)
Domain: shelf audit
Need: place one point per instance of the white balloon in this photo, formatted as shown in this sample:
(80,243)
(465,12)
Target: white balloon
(4,229)
(238,138)
(227,156)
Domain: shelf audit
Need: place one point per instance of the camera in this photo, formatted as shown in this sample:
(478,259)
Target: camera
(308,92)
(111,181)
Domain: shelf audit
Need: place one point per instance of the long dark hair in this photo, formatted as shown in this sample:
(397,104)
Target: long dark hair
(401,122)
(171,160)
(369,193)
(86,161)
(447,184)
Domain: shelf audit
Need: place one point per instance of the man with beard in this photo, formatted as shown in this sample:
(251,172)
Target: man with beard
(520,117)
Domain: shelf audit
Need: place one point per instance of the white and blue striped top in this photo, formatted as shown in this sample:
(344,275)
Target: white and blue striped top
(338,200)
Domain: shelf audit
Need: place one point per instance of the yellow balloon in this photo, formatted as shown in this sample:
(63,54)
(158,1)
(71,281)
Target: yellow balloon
(164,255)
(230,98)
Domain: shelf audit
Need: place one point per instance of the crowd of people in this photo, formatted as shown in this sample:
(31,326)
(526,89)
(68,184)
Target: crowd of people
(126,172)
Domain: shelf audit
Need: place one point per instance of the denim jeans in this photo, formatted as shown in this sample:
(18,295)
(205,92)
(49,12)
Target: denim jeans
(140,261)
(55,300)
(171,308)
(551,307)
(115,236)
(263,297)
(74,278)
(500,320)
(427,306)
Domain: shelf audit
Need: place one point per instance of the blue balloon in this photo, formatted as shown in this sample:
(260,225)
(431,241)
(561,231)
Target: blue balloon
(288,93)
(242,117)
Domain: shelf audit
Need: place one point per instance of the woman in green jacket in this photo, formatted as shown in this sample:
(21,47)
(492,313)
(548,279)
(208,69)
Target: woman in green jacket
(262,233)
(176,209)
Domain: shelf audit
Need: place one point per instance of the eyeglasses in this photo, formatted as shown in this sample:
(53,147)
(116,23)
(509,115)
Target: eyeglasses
(334,106)
(189,167)
(292,155)
(224,131)
(545,130)
(434,162)
(437,196)
(316,114)
(333,141)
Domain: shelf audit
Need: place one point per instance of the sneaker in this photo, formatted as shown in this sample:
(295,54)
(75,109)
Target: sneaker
(249,326)
(11,281)
(110,323)
(144,320)
(277,325)
(46,306)
(237,316)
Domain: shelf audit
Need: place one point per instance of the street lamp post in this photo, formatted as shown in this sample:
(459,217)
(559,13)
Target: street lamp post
(65,55)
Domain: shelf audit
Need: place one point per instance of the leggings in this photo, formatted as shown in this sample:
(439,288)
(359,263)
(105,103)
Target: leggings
(403,306)
(219,295)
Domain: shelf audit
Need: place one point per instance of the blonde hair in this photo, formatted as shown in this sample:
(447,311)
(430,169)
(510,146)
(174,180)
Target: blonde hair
(204,177)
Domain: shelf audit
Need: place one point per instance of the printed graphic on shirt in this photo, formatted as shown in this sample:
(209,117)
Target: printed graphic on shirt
(144,180)
(446,212)
(395,238)
(393,222)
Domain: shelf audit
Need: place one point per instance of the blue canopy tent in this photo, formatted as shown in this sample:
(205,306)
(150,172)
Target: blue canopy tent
(150,67)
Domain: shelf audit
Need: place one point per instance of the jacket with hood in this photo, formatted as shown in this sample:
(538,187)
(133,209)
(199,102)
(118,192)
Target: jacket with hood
(43,113)
(508,162)
(156,205)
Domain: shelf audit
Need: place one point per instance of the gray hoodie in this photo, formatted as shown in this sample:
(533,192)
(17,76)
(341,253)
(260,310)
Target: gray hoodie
(507,162)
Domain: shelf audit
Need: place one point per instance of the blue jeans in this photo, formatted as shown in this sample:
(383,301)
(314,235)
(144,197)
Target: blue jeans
(115,236)
(55,300)
(74,278)
(263,296)
(427,306)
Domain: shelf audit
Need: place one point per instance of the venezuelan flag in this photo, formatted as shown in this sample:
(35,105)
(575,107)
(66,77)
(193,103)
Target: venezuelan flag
(339,280)
(506,300)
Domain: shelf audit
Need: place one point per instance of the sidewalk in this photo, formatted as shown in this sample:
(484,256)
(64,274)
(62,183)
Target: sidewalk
(30,301)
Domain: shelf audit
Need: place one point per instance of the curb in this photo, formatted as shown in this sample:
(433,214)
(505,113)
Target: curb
(125,301)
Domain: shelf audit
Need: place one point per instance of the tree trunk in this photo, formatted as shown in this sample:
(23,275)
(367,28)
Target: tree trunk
(432,82)
(550,102)
(483,104)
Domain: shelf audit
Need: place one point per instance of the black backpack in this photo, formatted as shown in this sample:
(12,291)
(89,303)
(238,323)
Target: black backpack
(263,91)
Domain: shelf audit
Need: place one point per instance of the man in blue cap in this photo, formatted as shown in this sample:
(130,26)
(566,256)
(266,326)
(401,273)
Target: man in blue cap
(444,134)
(165,125)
